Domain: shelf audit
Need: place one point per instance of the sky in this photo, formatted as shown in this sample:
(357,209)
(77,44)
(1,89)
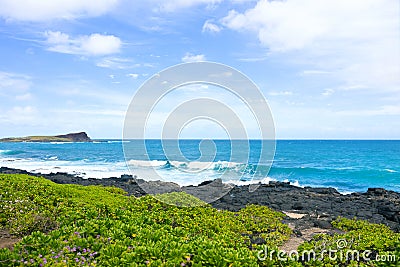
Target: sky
(328,69)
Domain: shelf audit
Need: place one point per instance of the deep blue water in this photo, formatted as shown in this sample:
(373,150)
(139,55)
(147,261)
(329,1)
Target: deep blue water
(348,165)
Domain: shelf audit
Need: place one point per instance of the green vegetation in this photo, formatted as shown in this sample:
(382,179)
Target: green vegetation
(180,199)
(93,225)
(362,244)
(72,225)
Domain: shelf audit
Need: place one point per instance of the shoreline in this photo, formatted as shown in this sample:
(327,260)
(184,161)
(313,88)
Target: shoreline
(305,207)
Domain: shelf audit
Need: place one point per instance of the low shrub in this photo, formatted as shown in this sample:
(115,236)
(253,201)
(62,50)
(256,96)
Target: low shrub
(98,226)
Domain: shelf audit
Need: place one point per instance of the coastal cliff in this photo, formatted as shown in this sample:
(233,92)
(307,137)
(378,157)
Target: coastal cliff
(71,137)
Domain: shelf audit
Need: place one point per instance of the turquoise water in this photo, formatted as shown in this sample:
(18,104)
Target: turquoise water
(348,165)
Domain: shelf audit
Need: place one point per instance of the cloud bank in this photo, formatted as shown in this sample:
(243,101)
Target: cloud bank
(44,10)
(93,45)
(358,40)
(188,57)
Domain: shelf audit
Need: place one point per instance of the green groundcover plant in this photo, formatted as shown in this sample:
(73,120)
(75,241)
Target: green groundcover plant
(73,225)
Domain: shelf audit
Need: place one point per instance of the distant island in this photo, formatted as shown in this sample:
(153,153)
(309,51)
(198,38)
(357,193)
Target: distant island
(71,137)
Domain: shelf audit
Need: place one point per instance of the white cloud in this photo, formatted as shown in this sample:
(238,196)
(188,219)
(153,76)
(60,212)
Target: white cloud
(328,92)
(24,97)
(91,45)
(116,63)
(211,27)
(11,82)
(356,40)
(44,10)
(287,25)
(21,115)
(27,110)
(253,59)
(133,75)
(280,93)
(387,110)
(84,90)
(193,58)
(102,112)
(243,1)
(173,5)
(315,72)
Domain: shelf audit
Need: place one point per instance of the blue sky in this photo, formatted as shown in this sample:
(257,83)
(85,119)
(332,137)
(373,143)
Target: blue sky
(329,69)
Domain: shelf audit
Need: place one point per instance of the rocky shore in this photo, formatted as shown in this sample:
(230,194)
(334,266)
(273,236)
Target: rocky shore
(306,207)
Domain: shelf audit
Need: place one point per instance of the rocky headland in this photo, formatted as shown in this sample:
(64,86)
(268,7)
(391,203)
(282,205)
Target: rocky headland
(71,137)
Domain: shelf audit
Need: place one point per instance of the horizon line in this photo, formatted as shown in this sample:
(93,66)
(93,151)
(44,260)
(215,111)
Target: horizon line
(277,139)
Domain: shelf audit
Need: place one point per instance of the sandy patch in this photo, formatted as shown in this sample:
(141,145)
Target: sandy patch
(294,215)
(7,240)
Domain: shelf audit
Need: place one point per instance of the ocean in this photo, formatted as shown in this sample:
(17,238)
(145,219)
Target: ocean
(347,165)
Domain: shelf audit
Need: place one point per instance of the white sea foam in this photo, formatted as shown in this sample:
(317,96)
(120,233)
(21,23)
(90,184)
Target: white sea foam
(81,168)
(295,183)
(182,173)
(390,170)
(344,192)
(147,163)
(193,165)
(265,180)
(188,173)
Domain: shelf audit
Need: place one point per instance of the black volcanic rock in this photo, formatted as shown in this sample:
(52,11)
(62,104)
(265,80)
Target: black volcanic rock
(377,205)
